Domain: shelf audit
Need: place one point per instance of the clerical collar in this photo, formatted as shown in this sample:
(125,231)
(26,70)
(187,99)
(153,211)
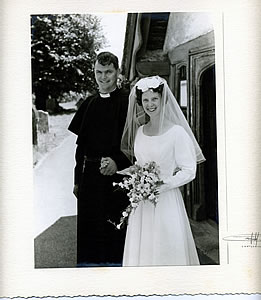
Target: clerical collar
(106,95)
(102,95)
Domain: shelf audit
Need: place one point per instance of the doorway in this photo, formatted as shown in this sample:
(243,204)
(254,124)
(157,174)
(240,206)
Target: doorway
(209,141)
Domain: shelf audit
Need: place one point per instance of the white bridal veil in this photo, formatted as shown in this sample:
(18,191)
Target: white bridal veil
(170,111)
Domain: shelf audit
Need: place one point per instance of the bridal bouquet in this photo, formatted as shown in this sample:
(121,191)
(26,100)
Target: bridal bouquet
(142,184)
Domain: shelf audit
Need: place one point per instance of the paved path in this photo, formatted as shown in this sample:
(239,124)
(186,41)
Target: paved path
(53,184)
(56,246)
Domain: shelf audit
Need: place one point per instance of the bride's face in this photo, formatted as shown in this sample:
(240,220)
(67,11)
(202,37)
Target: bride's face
(151,103)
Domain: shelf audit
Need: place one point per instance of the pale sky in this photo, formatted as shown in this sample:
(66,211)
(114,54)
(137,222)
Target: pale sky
(114,27)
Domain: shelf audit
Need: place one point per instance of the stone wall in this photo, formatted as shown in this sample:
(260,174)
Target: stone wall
(40,132)
(43,123)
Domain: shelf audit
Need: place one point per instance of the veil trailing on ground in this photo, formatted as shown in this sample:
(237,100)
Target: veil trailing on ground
(170,113)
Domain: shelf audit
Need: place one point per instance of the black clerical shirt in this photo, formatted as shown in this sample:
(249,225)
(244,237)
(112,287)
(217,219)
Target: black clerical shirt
(99,124)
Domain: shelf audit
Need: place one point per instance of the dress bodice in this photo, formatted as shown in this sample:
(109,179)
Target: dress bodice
(170,150)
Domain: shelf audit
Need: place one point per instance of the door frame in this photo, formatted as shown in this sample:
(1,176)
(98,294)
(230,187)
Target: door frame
(199,60)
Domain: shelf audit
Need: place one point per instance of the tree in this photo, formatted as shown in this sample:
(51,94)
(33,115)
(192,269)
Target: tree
(63,48)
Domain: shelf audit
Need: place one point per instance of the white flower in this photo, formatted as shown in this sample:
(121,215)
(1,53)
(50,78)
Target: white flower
(132,180)
(153,177)
(140,197)
(152,196)
(147,83)
(125,214)
(146,186)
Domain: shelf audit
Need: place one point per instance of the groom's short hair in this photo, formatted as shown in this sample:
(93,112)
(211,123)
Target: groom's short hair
(107,58)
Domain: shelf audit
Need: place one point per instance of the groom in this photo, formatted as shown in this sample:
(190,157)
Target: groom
(99,123)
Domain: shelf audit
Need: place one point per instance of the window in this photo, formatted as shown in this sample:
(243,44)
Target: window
(183,100)
(182,88)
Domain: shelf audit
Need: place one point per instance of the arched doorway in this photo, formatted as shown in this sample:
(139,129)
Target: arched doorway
(209,141)
(202,118)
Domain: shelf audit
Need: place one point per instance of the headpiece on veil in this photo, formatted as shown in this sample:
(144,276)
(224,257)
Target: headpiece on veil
(170,112)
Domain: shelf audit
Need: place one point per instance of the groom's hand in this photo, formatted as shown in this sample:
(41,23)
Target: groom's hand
(108,166)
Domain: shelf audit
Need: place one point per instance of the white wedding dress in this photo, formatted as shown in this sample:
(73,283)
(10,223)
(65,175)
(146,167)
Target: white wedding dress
(161,235)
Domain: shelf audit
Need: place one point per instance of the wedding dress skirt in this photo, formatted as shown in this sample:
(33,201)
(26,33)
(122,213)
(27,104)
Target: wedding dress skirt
(161,235)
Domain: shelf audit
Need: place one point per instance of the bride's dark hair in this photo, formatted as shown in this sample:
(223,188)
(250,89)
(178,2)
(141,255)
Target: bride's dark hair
(170,111)
(139,92)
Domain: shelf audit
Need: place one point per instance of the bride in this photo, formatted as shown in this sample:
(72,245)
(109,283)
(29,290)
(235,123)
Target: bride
(156,130)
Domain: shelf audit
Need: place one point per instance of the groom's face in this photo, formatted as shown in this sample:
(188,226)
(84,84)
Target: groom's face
(106,77)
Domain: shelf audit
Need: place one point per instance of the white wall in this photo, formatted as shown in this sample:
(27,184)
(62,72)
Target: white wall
(185,26)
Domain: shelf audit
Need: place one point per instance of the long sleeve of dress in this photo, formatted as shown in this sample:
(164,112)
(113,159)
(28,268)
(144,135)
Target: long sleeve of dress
(185,160)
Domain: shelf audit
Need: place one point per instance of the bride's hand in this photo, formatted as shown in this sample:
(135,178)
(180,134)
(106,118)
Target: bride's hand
(163,188)
(124,171)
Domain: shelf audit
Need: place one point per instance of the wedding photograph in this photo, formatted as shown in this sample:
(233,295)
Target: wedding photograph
(130,149)
(124,140)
